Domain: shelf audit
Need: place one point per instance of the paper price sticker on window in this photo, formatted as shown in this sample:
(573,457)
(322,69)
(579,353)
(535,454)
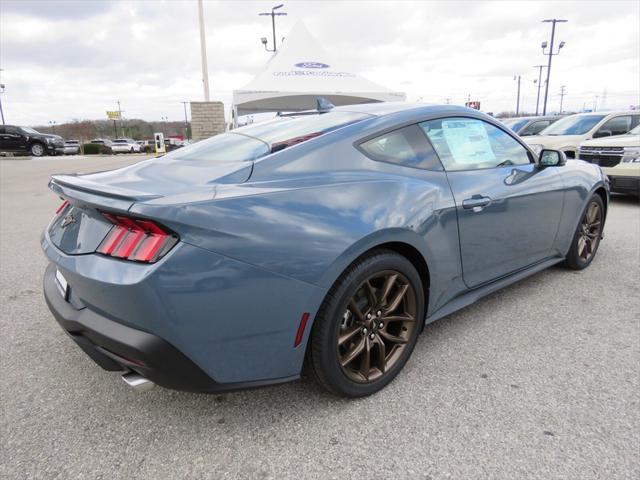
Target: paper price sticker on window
(468,141)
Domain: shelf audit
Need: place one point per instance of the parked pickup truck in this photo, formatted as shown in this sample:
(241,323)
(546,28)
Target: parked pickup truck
(16,139)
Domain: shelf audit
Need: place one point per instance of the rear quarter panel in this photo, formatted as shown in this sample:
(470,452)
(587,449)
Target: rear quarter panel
(310,212)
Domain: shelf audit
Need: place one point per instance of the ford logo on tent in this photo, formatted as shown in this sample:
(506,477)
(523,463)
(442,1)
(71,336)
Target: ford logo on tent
(311,65)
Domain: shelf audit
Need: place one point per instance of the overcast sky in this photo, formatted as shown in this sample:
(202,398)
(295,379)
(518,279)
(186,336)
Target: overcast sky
(65,60)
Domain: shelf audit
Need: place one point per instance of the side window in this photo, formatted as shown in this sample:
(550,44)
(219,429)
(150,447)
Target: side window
(536,127)
(617,126)
(406,146)
(12,130)
(468,144)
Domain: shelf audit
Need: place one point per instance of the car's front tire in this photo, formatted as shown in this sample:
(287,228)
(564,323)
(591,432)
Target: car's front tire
(37,149)
(367,325)
(586,240)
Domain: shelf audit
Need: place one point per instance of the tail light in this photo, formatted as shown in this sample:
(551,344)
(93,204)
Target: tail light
(136,240)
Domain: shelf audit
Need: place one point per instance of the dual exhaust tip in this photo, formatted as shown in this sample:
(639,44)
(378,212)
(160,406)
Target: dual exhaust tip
(138,382)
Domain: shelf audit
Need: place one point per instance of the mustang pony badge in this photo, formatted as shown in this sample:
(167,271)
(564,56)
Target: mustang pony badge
(68,220)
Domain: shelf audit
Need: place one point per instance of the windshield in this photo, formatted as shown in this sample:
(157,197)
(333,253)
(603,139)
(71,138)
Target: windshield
(30,130)
(574,125)
(255,141)
(515,124)
(119,141)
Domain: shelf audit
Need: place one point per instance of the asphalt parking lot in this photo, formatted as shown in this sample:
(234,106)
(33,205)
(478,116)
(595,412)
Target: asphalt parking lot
(541,380)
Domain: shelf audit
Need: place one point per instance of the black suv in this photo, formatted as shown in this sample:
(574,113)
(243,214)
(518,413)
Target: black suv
(25,139)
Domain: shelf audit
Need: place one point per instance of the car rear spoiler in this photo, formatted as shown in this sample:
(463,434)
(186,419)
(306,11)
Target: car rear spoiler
(75,187)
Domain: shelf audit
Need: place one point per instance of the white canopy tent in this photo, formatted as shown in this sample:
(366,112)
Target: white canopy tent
(299,73)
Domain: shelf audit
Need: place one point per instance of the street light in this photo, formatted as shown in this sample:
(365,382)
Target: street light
(551,54)
(273,15)
(52,123)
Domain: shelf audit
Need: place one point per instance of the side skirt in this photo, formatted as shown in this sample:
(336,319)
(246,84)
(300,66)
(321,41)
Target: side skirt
(472,296)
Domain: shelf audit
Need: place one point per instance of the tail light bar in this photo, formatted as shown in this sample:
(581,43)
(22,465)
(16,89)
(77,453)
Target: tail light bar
(136,239)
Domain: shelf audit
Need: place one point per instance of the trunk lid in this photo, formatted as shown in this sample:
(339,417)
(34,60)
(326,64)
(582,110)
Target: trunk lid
(80,226)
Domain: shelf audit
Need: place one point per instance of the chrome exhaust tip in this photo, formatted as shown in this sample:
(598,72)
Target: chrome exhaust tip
(138,382)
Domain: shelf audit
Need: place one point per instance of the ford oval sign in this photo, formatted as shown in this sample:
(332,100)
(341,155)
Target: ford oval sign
(311,65)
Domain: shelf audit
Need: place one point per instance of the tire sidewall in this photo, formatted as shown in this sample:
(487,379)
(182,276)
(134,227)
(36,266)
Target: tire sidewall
(573,258)
(31,149)
(324,338)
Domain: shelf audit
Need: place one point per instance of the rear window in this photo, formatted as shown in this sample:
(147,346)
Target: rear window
(406,146)
(255,141)
(226,147)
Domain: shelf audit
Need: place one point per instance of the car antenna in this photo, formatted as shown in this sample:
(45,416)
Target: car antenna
(324,105)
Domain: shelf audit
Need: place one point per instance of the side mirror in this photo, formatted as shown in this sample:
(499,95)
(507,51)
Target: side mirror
(552,158)
(602,133)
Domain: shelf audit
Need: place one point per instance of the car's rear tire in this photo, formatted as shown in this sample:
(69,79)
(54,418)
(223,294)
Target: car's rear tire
(367,326)
(36,149)
(586,239)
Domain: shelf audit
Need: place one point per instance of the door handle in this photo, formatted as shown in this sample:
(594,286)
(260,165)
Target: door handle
(476,203)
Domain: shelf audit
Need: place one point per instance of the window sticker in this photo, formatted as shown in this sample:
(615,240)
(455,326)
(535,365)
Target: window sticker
(468,141)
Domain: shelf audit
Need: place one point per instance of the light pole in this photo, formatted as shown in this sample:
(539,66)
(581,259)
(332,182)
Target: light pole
(52,124)
(553,22)
(203,52)
(186,122)
(1,111)
(539,81)
(273,15)
(517,77)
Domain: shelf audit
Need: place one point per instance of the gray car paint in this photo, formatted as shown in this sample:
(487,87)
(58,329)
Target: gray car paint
(255,255)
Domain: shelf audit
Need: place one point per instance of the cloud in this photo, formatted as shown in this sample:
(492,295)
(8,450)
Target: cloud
(74,59)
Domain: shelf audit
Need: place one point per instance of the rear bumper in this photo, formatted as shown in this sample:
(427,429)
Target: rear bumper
(117,347)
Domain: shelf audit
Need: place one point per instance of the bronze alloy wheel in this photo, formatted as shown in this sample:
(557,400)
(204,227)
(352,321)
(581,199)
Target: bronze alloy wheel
(376,326)
(589,231)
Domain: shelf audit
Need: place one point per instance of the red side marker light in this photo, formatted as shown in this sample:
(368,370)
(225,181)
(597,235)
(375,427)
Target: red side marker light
(301,327)
(62,206)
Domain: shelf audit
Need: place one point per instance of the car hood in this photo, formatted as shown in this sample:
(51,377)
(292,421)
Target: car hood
(554,142)
(617,141)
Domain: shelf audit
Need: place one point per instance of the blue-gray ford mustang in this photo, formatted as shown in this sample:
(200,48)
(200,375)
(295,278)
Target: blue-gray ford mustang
(326,239)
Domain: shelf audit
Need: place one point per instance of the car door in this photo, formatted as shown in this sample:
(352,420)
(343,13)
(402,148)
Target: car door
(13,139)
(508,208)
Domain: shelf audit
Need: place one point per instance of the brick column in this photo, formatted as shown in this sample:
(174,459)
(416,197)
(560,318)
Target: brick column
(207,119)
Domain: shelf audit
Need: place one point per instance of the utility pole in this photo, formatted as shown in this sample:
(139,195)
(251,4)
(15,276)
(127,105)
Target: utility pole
(562,94)
(553,22)
(1,111)
(203,52)
(518,97)
(273,15)
(539,81)
(1,92)
(186,122)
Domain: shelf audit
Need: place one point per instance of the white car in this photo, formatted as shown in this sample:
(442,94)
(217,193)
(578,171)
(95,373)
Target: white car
(567,134)
(619,159)
(71,147)
(125,145)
